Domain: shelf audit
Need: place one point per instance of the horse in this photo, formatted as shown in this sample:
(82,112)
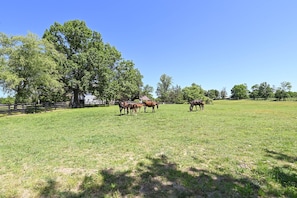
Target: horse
(139,105)
(195,103)
(123,105)
(150,103)
(133,107)
(128,105)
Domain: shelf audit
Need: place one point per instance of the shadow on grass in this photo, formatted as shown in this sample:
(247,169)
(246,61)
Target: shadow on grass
(280,156)
(157,177)
(285,175)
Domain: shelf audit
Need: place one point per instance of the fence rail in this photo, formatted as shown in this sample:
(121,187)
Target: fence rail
(30,107)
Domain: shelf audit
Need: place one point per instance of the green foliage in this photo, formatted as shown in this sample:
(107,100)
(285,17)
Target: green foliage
(147,91)
(28,66)
(193,92)
(213,93)
(7,100)
(176,95)
(128,80)
(163,87)
(92,66)
(239,92)
(265,91)
(223,93)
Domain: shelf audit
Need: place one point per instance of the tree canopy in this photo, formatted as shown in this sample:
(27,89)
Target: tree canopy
(163,87)
(240,92)
(29,67)
(193,92)
(91,65)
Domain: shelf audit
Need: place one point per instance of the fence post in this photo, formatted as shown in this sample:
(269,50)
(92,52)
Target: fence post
(9,112)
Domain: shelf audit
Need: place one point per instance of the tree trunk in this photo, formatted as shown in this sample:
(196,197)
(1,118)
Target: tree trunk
(75,100)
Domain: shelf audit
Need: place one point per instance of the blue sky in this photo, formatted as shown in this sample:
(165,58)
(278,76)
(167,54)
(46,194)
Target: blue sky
(214,43)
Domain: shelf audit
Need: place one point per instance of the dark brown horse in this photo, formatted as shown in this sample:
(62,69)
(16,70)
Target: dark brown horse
(123,105)
(150,103)
(128,106)
(133,107)
(195,103)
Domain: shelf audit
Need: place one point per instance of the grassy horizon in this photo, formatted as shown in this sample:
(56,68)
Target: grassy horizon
(231,149)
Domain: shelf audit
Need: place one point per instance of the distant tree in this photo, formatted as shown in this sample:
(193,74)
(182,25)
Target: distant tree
(163,87)
(283,92)
(213,94)
(239,92)
(292,94)
(7,100)
(193,92)
(148,91)
(29,67)
(176,95)
(255,92)
(224,93)
(279,94)
(90,63)
(265,91)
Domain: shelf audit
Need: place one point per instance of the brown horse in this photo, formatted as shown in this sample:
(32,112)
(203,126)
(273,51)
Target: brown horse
(128,106)
(150,103)
(123,105)
(195,103)
(139,105)
(132,107)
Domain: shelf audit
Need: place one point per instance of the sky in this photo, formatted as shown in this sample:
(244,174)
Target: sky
(213,43)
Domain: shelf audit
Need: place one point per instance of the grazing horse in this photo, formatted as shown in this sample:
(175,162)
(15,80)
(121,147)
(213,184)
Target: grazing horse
(128,105)
(195,103)
(133,107)
(150,103)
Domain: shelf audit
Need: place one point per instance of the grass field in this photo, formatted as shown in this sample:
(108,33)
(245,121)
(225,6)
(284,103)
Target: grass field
(231,149)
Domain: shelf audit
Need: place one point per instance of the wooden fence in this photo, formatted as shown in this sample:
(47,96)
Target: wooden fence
(30,108)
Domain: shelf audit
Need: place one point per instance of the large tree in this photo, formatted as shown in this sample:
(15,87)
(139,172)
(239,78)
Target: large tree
(127,81)
(255,92)
(283,91)
(28,67)
(213,94)
(265,90)
(193,92)
(163,87)
(240,92)
(176,95)
(89,61)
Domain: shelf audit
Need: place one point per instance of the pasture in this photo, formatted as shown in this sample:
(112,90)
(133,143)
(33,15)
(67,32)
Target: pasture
(231,149)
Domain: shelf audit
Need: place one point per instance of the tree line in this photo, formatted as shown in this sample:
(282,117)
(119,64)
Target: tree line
(263,91)
(71,60)
(175,94)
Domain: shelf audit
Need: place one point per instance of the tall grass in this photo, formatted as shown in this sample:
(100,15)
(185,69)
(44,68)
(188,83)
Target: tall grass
(231,149)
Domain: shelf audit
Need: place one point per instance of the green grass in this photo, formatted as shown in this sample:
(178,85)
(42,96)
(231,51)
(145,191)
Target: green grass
(231,149)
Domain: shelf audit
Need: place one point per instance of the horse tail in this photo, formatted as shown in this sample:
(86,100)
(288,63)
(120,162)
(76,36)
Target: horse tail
(157,105)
